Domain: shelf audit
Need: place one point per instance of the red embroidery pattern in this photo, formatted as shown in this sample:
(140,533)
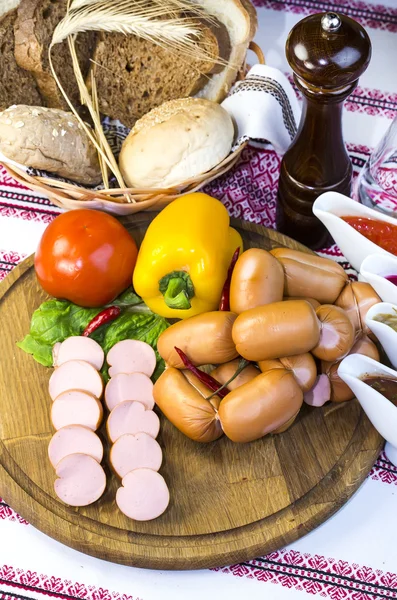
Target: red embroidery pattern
(6,512)
(329,577)
(384,471)
(369,15)
(55,586)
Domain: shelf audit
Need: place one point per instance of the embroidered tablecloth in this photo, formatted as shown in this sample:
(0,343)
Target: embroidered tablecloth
(353,555)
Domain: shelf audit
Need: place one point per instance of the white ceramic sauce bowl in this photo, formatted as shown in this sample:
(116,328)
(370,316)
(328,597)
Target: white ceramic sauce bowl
(330,207)
(374,270)
(381,412)
(386,335)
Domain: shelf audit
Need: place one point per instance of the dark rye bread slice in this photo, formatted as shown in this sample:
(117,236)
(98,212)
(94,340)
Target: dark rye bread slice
(33,30)
(17,86)
(134,75)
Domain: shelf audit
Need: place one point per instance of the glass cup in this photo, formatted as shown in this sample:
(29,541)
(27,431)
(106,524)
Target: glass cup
(377,182)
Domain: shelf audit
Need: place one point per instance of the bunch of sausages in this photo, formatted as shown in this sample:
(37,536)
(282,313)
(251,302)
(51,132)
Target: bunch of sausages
(76,451)
(294,317)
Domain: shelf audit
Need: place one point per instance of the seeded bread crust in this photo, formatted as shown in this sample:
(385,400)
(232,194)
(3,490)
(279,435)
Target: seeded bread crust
(134,75)
(17,85)
(33,32)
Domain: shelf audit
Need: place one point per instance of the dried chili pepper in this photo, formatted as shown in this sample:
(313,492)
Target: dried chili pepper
(224,303)
(209,381)
(105,316)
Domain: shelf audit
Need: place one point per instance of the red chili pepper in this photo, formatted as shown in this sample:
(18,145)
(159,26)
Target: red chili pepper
(209,381)
(224,303)
(105,316)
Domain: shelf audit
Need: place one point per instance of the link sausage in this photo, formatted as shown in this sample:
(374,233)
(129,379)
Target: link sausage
(302,366)
(224,372)
(336,334)
(320,393)
(356,299)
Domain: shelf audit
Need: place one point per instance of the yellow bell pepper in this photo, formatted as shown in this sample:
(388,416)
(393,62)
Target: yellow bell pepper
(184,257)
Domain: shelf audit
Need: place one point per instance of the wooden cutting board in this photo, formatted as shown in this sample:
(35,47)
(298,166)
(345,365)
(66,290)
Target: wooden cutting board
(229,502)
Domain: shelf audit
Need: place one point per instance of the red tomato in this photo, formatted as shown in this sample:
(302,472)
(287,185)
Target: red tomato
(85,256)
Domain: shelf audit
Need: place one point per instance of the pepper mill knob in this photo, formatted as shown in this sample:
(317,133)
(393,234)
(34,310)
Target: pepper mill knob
(327,53)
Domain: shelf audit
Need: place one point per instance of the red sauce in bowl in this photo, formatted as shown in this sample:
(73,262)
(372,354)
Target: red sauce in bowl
(380,233)
(392,279)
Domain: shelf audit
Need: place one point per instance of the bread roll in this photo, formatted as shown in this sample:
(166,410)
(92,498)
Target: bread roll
(49,140)
(174,142)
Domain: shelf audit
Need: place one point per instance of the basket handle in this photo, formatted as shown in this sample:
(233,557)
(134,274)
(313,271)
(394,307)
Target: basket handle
(260,56)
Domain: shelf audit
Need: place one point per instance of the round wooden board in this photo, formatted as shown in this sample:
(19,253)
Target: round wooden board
(229,502)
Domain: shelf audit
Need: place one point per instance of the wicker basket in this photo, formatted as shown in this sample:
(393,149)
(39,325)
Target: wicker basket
(126,201)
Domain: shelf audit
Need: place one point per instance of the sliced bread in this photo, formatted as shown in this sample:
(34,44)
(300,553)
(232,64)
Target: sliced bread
(134,75)
(17,86)
(34,28)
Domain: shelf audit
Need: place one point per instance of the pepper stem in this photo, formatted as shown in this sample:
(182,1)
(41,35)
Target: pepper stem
(177,289)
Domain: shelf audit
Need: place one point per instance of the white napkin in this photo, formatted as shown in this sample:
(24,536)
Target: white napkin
(264,107)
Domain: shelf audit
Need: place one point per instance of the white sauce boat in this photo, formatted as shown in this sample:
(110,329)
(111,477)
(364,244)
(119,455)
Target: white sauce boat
(374,269)
(386,335)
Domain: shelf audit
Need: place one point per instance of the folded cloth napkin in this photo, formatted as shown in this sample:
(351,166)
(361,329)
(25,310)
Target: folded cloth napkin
(264,107)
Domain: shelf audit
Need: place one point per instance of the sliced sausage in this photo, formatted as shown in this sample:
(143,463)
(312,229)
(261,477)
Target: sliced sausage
(132,417)
(74,439)
(340,392)
(55,350)
(336,333)
(81,481)
(260,406)
(79,347)
(302,366)
(131,356)
(257,279)
(224,372)
(320,392)
(75,407)
(186,407)
(129,386)
(309,275)
(275,330)
(205,339)
(75,375)
(138,451)
(356,299)
(143,496)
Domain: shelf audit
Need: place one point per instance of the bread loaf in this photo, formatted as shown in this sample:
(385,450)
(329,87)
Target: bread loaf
(49,140)
(16,84)
(34,28)
(174,142)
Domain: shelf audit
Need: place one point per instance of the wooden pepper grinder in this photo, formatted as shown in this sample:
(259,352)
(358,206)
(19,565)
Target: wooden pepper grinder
(327,52)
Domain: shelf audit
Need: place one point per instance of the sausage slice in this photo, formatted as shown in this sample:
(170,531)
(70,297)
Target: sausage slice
(320,392)
(132,417)
(74,439)
(81,480)
(75,407)
(139,451)
(131,356)
(129,386)
(79,347)
(75,375)
(144,495)
(336,333)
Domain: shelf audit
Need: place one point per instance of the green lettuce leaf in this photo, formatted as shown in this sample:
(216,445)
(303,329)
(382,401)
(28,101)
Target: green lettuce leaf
(55,320)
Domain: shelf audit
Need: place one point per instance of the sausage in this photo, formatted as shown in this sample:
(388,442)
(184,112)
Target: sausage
(224,372)
(356,299)
(309,275)
(205,339)
(131,356)
(320,393)
(74,439)
(79,347)
(315,303)
(186,407)
(302,366)
(138,451)
(202,388)
(131,417)
(340,392)
(81,481)
(286,425)
(257,279)
(143,496)
(75,375)
(75,407)
(260,406)
(336,335)
(129,386)
(274,330)
(55,350)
